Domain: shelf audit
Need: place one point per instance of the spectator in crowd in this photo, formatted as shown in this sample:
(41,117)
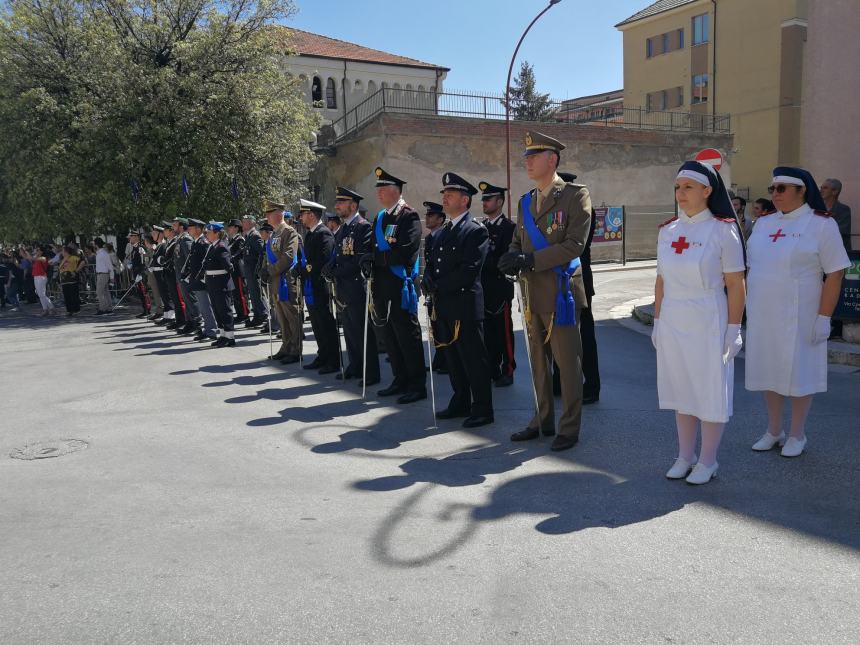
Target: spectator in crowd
(27,288)
(13,280)
(4,278)
(39,263)
(104,276)
(761,206)
(71,265)
(739,204)
(830,191)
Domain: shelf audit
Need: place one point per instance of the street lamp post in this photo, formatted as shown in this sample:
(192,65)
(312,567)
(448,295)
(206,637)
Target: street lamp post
(508,99)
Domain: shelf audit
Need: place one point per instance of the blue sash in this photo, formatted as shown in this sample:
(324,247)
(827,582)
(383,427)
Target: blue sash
(307,285)
(283,284)
(565,307)
(408,295)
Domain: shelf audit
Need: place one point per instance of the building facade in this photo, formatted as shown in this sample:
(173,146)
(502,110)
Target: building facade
(737,57)
(336,76)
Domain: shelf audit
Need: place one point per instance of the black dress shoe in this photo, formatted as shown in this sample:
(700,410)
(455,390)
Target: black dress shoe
(504,381)
(170,325)
(205,338)
(313,365)
(231,342)
(290,359)
(412,397)
(563,442)
(477,421)
(392,390)
(219,342)
(279,355)
(347,374)
(254,322)
(370,381)
(162,321)
(329,369)
(200,336)
(525,435)
(588,399)
(142,315)
(448,413)
(264,329)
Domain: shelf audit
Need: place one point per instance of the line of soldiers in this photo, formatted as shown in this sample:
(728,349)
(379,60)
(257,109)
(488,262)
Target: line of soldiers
(365,278)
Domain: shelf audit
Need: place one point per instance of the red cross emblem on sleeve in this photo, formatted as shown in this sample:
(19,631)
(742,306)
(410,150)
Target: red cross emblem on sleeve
(680,245)
(777,235)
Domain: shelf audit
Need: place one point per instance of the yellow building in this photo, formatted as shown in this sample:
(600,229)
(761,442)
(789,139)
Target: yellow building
(743,58)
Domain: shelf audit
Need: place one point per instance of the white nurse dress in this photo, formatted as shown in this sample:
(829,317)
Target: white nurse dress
(693,253)
(789,253)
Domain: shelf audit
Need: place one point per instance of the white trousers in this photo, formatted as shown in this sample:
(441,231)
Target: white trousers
(41,283)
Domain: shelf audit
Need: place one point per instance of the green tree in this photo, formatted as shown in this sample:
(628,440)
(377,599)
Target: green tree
(527,104)
(97,96)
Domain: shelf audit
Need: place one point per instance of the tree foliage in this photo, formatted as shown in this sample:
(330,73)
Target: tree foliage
(527,104)
(106,104)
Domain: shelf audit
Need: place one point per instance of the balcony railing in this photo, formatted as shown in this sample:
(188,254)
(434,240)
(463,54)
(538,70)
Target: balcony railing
(492,107)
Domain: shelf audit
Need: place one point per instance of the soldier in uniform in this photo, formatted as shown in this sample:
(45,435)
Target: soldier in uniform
(252,262)
(156,268)
(180,260)
(498,289)
(137,264)
(218,270)
(317,252)
(194,274)
(282,250)
(393,265)
(352,241)
(552,229)
(434,219)
(452,280)
(332,222)
(236,243)
(171,285)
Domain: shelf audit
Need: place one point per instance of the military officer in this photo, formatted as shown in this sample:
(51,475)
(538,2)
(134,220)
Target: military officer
(332,222)
(236,243)
(552,228)
(317,252)
(180,260)
(252,262)
(434,219)
(453,281)
(353,240)
(170,249)
(137,264)
(393,266)
(282,253)
(218,270)
(193,276)
(498,289)
(156,267)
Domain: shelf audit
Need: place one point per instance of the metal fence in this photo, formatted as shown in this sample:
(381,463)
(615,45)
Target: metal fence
(492,107)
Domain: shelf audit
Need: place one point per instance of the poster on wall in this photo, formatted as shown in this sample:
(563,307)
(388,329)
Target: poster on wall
(608,225)
(849,300)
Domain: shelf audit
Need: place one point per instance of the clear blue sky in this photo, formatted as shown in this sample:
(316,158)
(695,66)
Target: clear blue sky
(574,47)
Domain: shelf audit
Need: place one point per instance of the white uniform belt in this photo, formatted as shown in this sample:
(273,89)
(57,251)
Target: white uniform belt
(156,268)
(217,272)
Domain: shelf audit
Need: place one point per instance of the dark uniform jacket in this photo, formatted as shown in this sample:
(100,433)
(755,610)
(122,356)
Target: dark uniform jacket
(569,204)
(351,242)
(842,214)
(158,256)
(455,269)
(255,252)
(183,250)
(318,247)
(497,288)
(585,258)
(194,268)
(170,252)
(218,259)
(237,253)
(138,260)
(404,251)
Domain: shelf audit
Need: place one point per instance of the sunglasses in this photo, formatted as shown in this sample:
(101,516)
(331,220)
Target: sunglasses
(779,188)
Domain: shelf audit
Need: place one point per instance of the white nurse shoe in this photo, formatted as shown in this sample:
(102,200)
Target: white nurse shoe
(793,447)
(768,441)
(702,474)
(681,468)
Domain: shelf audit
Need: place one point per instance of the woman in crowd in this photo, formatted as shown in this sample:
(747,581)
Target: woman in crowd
(71,264)
(789,305)
(218,283)
(40,279)
(699,301)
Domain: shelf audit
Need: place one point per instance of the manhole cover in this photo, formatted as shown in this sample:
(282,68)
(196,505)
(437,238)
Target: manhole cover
(48,449)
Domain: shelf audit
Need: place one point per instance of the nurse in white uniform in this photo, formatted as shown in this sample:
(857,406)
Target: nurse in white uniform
(789,309)
(699,303)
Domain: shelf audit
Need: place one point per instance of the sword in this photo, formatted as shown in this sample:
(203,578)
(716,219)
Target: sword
(268,314)
(333,293)
(430,342)
(521,301)
(137,280)
(364,344)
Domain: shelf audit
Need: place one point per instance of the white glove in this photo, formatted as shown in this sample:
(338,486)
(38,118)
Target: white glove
(654,332)
(821,330)
(137,279)
(732,343)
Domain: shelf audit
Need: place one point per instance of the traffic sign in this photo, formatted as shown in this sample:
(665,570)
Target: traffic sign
(710,156)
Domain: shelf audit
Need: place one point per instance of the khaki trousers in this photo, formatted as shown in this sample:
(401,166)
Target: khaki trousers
(103,291)
(289,319)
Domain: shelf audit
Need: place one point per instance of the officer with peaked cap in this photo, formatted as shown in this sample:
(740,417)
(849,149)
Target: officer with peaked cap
(282,255)
(184,244)
(252,261)
(498,289)
(193,275)
(434,220)
(236,244)
(156,269)
(137,264)
(318,247)
(393,265)
(352,241)
(170,246)
(552,227)
(219,284)
(452,279)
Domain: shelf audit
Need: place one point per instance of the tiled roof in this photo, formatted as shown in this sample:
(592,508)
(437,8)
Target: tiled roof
(307,44)
(653,9)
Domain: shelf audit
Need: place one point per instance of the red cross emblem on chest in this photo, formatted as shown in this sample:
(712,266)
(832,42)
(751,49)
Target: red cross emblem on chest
(680,245)
(777,235)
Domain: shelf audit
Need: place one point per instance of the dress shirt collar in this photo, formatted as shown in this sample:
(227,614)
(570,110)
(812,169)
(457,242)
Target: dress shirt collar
(698,217)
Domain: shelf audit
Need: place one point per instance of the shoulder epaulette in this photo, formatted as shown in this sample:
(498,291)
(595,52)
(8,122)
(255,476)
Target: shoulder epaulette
(723,218)
(822,213)
(668,221)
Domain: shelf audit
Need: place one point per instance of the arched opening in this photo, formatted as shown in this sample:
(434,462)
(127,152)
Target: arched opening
(371,87)
(330,94)
(358,86)
(316,89)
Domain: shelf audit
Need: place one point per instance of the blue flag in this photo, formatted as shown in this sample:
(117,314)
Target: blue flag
(234,189)
(185,190)
(135,191)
